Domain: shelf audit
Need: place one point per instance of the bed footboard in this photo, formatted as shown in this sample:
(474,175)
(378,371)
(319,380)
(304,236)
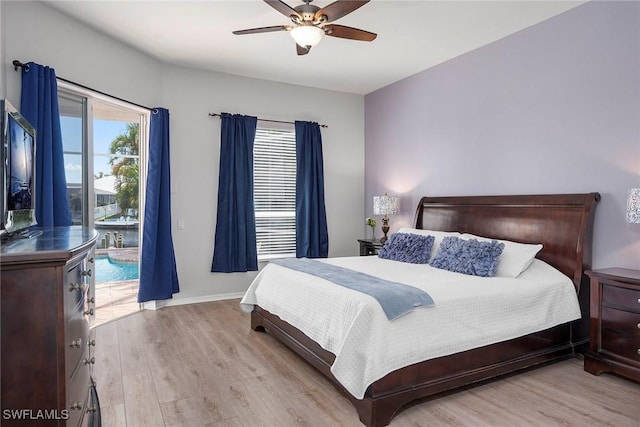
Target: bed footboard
(387,396)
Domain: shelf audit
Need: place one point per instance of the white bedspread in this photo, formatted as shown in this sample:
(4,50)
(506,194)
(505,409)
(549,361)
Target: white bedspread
(469,312)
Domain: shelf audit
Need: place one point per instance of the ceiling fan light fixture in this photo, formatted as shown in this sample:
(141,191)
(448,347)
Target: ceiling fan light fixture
(307,35)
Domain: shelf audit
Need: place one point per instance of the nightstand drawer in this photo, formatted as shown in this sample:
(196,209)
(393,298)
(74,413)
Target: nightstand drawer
(621,344)
(369,250)
(369,247)
(621,297)
(620,320)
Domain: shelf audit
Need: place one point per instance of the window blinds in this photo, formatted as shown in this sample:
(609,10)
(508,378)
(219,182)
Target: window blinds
(274,178)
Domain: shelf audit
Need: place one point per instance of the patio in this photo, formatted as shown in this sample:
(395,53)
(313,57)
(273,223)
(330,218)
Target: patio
(115,299)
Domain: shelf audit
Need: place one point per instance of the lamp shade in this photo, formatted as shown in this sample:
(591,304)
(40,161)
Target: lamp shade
(633,206)
(385,205)
(307,35)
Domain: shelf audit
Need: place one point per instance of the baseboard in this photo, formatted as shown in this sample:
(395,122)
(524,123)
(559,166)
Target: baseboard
(155,305)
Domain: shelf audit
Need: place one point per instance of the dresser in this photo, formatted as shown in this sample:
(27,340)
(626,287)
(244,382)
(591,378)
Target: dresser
(47,351)
(614,323)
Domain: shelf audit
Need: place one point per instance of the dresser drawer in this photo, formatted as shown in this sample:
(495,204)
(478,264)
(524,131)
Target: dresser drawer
(75,288)
(76,336)
(78,392)
(621,297)
(91,342)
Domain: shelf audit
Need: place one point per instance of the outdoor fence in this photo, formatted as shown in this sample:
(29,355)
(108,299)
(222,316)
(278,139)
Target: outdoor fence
(104,212)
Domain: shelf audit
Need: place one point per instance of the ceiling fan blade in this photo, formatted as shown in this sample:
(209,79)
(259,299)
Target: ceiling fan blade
(349,33)
(283,8)
(340,8)
(263,29)
(301,50)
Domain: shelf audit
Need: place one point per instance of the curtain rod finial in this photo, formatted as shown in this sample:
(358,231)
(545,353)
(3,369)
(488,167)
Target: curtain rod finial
(17,64)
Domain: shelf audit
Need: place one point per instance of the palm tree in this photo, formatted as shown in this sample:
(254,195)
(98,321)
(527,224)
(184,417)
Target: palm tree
(124,168)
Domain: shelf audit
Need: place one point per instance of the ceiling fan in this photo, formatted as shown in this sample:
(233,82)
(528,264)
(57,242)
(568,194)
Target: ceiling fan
(311,23)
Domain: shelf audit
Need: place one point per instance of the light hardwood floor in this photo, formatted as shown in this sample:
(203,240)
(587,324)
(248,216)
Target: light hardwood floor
(201,365)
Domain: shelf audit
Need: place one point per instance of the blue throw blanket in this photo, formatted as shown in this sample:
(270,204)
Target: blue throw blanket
(396,299)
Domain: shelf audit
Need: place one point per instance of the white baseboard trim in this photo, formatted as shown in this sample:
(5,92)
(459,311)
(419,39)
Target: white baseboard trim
(155,305)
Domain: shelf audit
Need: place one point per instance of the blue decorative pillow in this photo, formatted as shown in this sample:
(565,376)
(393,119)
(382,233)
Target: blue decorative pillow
(407,247)
(468,256)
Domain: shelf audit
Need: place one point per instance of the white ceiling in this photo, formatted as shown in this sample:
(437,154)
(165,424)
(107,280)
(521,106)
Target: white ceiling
(413,35)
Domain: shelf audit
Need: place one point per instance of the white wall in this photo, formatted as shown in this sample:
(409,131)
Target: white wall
(92,59)
(36,32)
(3,82)
(190,95)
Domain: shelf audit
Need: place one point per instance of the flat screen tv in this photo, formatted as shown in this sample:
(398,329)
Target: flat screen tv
(17,180)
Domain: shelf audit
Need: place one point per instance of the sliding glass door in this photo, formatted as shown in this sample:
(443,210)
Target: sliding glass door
(105,144)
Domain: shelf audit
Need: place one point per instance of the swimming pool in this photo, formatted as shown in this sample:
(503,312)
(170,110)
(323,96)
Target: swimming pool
(108,270)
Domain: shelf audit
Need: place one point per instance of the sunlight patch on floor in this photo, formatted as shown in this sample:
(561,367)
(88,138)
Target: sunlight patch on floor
(115,299)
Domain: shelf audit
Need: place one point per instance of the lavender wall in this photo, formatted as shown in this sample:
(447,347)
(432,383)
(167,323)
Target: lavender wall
(554,108)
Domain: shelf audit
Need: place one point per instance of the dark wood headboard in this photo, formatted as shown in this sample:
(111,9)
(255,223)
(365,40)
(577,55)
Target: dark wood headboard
(563,223)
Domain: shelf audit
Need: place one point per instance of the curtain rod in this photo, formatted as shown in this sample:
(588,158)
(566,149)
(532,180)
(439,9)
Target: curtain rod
(17,64)
(265,120)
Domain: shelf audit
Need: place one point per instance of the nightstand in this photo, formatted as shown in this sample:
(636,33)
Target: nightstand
(615,323)
(369,246)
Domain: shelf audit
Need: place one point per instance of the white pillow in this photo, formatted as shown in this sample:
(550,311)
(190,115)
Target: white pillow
(515,257)
(438,235)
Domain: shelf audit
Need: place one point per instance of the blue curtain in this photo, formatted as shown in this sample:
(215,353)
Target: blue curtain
(39,105)
(235,247)
(312,239)
(158,273)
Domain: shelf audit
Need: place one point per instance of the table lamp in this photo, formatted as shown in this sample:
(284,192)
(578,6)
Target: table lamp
(633,206)
(385,205)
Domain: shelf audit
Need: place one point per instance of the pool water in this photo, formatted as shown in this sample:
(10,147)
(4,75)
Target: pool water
(108,270)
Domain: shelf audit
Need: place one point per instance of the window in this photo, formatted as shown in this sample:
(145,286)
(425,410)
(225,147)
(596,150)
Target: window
(274,194)
(73,123)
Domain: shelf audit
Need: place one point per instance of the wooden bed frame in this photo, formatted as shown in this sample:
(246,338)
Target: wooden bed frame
(563,223)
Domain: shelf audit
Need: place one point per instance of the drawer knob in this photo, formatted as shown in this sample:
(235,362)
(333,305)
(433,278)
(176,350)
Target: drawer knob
(89,312)
(638,325)
(91,361)
(639,351)
(87,273)
(76,405)
(77,287)
(76,343)
(91,260)
(92,300)
(92,343)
